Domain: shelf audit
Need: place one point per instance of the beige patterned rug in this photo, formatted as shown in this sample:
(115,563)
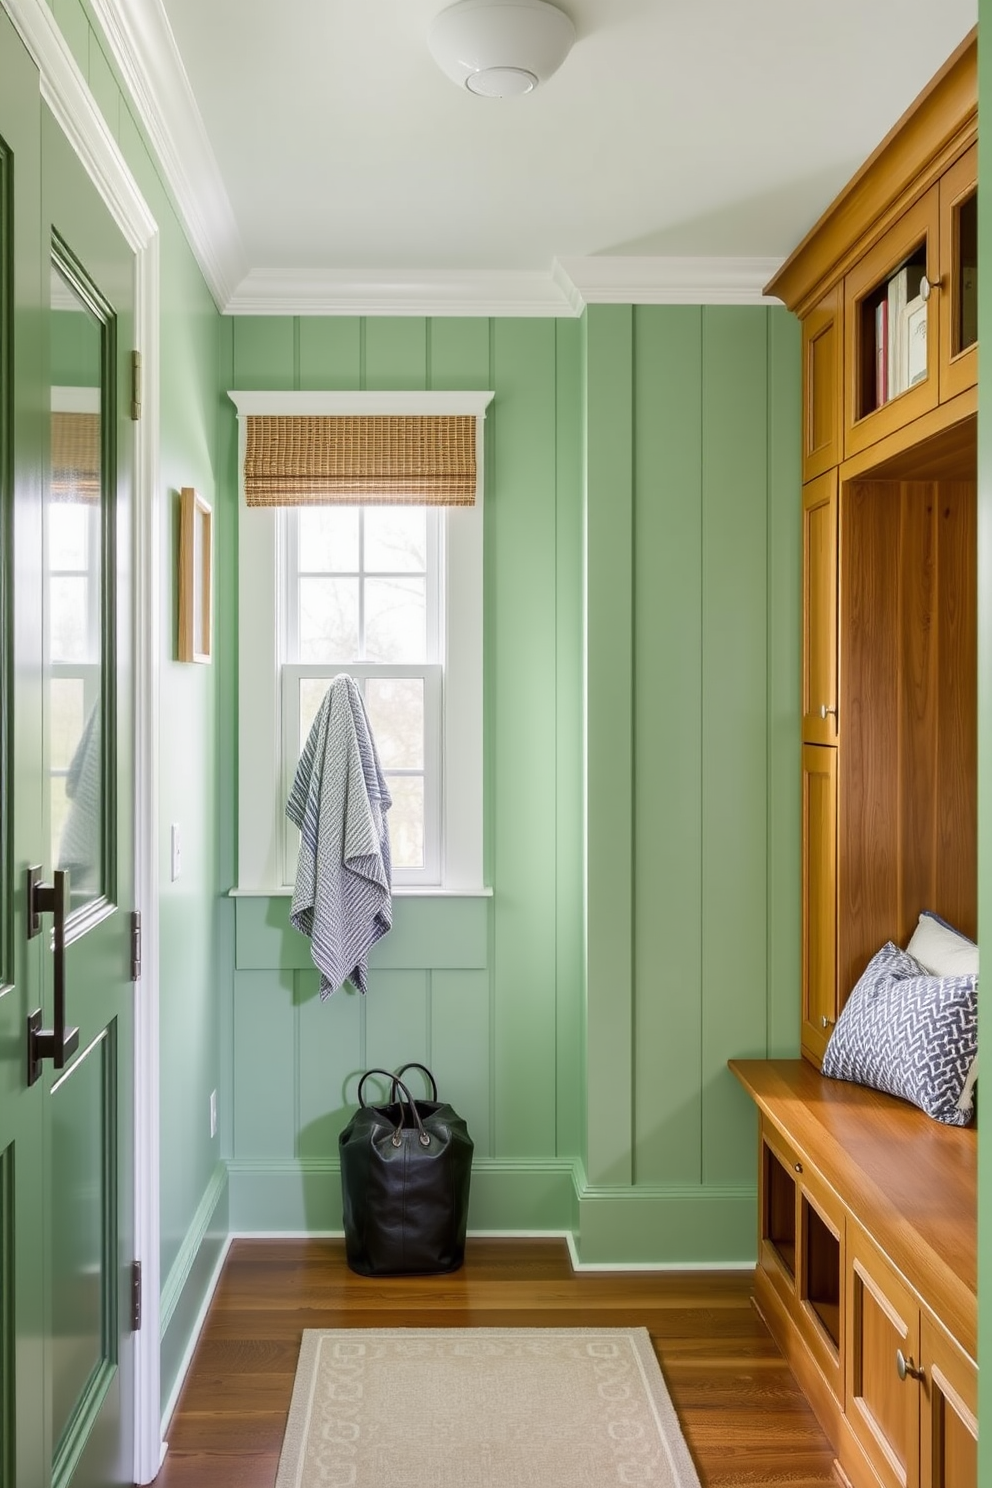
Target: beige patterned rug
(481,1408)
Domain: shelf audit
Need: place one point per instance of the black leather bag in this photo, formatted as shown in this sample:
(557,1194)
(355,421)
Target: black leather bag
(405,1173)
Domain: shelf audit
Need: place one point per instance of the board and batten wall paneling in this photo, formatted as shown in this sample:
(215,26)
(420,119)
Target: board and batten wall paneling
(520,644)
(668,911)
(735,733)
(784,670)
(641,567)
(609,743)
(570,1022)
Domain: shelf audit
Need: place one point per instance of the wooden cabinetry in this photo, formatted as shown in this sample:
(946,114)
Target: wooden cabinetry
(889,694)
(820,717)
(819,897)
(823,383)
(869,1285)
(867,1269)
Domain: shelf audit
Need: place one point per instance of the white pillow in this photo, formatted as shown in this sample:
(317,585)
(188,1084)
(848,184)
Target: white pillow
(942,950)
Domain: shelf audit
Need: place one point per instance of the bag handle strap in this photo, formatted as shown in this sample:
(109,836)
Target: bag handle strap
(414,1065)
(406,1102)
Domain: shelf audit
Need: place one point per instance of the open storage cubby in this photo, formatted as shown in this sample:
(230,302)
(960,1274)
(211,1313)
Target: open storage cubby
(822,1279)
(779,1219)
(908,699)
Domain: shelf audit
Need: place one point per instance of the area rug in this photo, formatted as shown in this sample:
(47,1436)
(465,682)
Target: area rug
(481,1408)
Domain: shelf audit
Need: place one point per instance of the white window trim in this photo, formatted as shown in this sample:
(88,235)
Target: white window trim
(260,570)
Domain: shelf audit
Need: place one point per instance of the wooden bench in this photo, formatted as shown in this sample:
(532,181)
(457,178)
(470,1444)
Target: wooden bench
(868,1270)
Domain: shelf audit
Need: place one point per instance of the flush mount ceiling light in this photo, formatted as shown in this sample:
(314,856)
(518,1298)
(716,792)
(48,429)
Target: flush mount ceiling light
(500,48)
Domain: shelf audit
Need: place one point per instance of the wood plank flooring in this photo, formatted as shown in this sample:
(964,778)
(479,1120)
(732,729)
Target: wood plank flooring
(744,1417)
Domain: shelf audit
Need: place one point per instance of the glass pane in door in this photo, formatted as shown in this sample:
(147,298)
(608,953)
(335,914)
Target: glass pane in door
(75,596)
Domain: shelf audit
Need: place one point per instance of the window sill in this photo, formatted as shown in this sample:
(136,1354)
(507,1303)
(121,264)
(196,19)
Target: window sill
(400,891)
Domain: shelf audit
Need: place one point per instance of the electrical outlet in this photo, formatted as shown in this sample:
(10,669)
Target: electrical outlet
(213,1113)
(177,858)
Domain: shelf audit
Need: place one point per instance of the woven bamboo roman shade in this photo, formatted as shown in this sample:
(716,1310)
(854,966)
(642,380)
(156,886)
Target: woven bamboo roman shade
(75,456)
(367,459)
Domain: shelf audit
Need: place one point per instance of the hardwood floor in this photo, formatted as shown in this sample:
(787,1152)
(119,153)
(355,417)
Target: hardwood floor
(743,1415)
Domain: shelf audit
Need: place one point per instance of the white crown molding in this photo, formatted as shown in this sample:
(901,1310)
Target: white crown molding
(618,280)
(144,48)
(572,284)
(67,94)
(395,292)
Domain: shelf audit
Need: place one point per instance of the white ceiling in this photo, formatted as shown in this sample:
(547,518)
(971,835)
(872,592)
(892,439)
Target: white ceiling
(322,160)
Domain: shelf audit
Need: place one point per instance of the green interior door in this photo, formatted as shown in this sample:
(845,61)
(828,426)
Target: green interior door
(66,1097)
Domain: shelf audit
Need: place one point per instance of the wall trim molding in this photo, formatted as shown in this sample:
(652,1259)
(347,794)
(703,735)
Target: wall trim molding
(194,1339)
(614,279)
(358,291)
(181,1267)
(144,49)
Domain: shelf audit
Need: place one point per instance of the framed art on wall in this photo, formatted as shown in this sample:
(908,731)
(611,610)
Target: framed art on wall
(195,533)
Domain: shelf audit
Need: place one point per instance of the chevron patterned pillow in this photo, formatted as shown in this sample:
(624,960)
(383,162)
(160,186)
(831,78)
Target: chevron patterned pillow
(909,1033)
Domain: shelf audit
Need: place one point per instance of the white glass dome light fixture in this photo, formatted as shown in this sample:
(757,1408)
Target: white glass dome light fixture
(500,48)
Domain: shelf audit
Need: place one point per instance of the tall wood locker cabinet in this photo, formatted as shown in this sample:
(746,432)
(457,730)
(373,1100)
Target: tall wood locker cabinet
(867,1271)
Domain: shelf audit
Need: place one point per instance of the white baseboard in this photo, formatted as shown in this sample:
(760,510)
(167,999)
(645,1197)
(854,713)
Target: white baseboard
(566,1235)
(194,1339)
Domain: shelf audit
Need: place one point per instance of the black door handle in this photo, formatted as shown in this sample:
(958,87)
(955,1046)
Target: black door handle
(59,1043)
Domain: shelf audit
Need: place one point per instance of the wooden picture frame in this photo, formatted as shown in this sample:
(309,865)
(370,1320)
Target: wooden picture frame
(195,564)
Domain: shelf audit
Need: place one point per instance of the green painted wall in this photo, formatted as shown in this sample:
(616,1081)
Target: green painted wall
(485,991)
(642,681)
(984,747)
(197,930)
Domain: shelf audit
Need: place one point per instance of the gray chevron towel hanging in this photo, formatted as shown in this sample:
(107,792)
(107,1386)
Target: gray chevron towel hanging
(339,800)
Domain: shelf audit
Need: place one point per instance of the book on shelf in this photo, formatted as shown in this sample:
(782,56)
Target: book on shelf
(914,340)
(881,353)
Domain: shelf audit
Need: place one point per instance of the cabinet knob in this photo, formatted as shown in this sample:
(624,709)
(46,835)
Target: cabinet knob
(826,1022)
(906,1367)
(798,1167)
(825,712)
(927,286)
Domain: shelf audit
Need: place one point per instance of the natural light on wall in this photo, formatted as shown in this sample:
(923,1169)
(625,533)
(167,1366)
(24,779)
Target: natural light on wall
(391,594)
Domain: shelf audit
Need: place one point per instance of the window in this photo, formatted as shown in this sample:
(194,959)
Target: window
(391,594)
(363,595)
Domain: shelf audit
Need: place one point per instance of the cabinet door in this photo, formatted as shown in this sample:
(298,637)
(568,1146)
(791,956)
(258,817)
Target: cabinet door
(820,1279)
(883,319)
(958,308)
(949,1435)
(883,1347)
(823,384)
(819,897)
(820,717)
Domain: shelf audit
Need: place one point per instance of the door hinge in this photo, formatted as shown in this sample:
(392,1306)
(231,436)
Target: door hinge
(135,945)
(135,1296)
(136,385)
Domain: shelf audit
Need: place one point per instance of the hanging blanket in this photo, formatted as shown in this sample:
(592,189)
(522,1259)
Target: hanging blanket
(339,801)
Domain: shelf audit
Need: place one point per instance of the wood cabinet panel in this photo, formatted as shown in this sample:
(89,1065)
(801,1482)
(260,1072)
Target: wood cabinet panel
(883,1326)
(823,384)
(820,714)
(949,1436)
(958,319)
(819,940)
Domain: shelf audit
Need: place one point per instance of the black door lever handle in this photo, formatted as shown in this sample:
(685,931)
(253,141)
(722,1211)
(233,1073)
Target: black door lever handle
(59,1043)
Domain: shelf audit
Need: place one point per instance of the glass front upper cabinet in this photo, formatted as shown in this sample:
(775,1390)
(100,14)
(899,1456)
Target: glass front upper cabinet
(892,308)
(911,312)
